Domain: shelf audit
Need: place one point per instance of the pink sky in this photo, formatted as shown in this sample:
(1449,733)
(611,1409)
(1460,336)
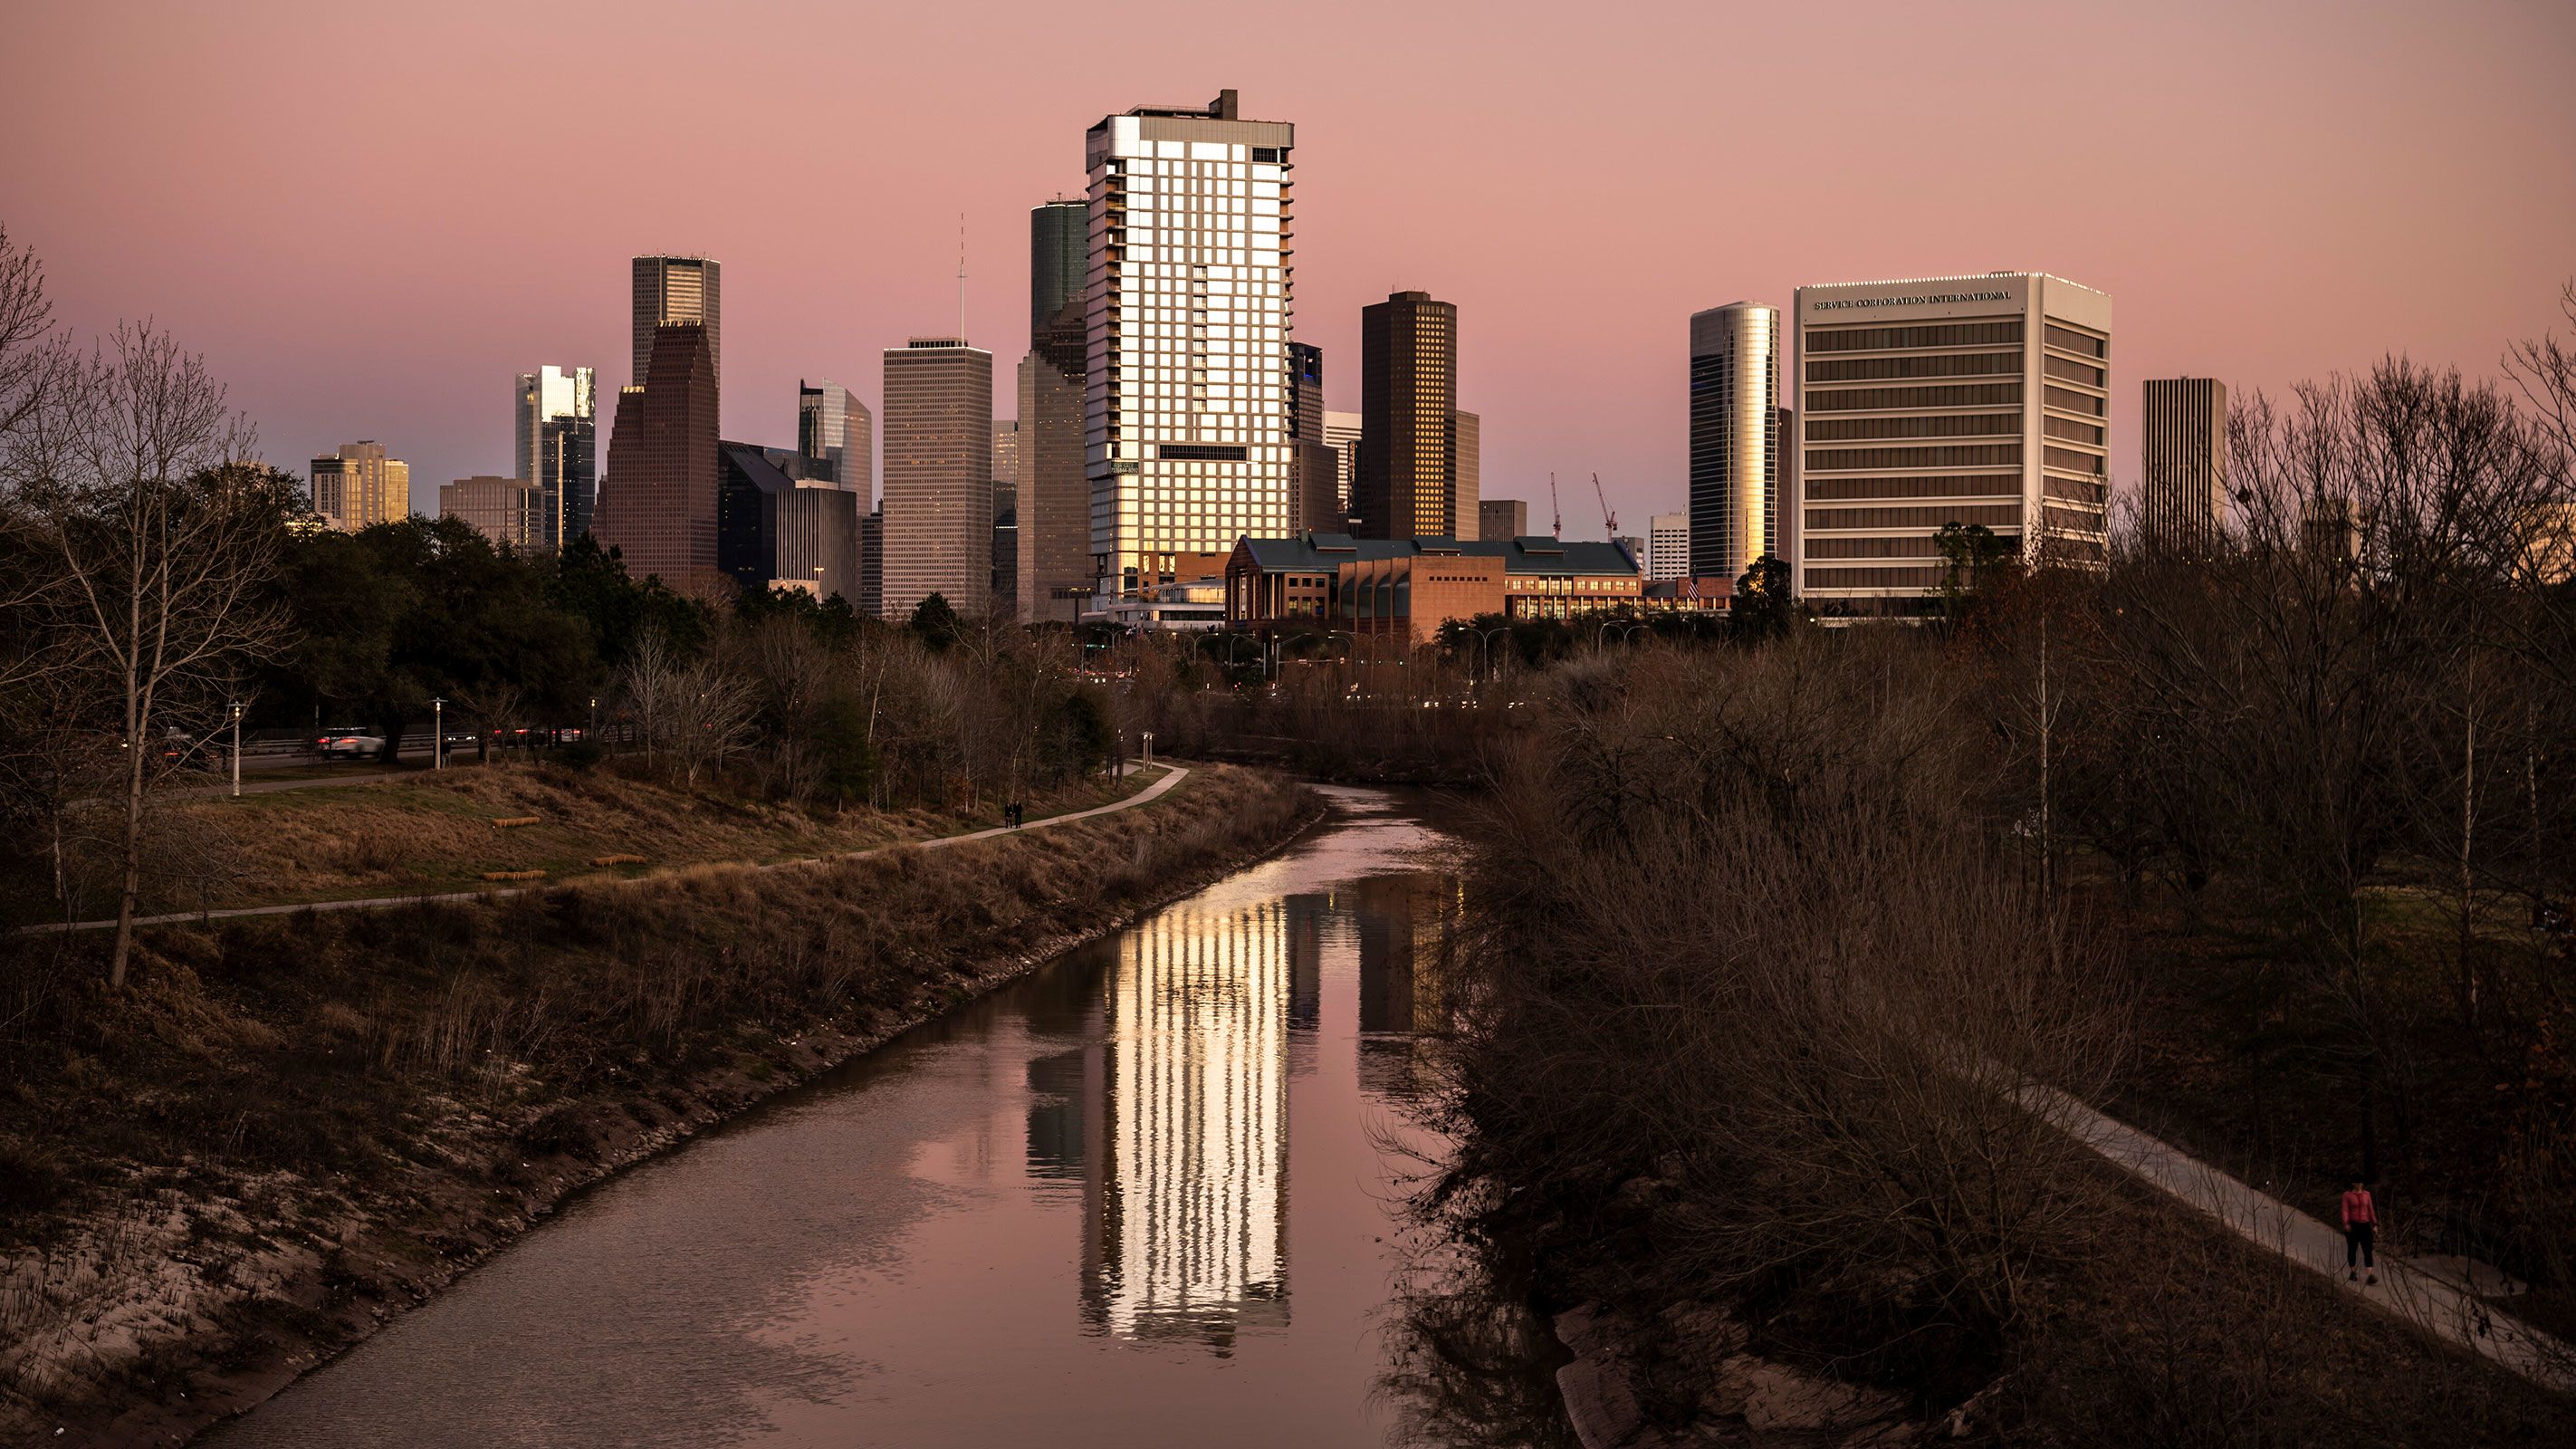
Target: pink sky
(370,217)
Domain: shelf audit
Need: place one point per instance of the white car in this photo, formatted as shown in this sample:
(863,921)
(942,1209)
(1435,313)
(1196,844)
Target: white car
(350,746)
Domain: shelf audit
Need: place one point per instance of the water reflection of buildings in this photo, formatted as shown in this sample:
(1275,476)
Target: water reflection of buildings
(1172,1120)
(1406,926)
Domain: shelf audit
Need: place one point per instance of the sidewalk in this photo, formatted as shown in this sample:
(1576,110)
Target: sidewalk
(1173,775)
(2418,1297)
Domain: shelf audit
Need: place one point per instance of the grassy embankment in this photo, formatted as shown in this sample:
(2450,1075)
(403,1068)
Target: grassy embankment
(291,1127)
(430,833)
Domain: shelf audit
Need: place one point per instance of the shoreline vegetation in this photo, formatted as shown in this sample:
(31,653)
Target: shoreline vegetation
(286,1130)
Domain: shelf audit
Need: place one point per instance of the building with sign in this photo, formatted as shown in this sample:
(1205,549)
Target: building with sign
(1977,401)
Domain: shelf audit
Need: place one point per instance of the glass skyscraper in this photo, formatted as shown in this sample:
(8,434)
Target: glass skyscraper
(838,434)
(1188,445)
(1735,442)
(558,437)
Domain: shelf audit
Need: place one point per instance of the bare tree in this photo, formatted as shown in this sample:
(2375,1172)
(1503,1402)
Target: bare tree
(164,565)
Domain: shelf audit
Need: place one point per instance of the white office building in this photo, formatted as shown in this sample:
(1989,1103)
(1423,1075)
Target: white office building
(1979,400)
(1668,546)
(1187,433)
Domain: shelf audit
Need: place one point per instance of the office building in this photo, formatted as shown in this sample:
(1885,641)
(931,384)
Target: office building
(1059,267)
(1735,444)
(358,486)
(1342,435)
(678,289)
(558,448)
(1466,462)
(511,512)
(2182,474)
(1051,525)
(1305,392)
(1190,300)
(775,528)
(1634,547)
(657,504)
(871,602)
(1668,546)
(838,435)
(1318,492)
(1501,517)
(1408,478)
(1006,517)
(938,476)
(1970,400)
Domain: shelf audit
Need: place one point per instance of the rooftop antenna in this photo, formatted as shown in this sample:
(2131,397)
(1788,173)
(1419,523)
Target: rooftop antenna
(961,278)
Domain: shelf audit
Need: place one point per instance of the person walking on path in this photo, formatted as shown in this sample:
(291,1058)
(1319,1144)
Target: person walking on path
(2360,1227)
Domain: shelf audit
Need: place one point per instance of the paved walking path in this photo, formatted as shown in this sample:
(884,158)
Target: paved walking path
(1173,775)
(2420,1298)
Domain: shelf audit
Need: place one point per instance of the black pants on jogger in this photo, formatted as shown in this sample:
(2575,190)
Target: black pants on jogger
(2357,1246)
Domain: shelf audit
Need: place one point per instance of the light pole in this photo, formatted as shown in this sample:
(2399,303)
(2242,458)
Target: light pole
(592,738)
(437,735)
(1149,749)
(237,711)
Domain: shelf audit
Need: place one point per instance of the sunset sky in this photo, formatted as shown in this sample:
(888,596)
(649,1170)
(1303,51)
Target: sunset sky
(370,217)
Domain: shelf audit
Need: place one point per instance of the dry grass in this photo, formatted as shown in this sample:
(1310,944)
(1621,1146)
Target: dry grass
(389,1093)
(427,833)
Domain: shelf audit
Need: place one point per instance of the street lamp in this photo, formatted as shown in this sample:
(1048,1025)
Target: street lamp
(437,736)
(237,713)
(592,738)
(1149,749)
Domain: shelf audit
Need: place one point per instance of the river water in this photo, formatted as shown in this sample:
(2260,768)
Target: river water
(1150,1195)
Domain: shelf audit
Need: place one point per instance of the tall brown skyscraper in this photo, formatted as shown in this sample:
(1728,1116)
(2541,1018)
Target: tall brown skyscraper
(359,485)
(678,289)
(1408,479)
(2183,474)
(938,476)
(657,505)
(1052,536)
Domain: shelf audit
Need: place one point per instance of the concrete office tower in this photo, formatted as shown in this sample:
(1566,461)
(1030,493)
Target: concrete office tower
(558,437)
(1051,524)
(1970,400)
(1006,517)
(773,528)
(1503,518)
(1305,392)
(1668,546)
(359,485)
(1342,435)
(837,434)
(1190,297)
(938,476)
(657,506)
(1466,461)
(678,289)
(2182,477)
(509,511)
(1407,484)
(1735,445)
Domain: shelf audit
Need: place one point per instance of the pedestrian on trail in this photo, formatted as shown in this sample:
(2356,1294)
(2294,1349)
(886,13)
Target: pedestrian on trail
(2360,1227)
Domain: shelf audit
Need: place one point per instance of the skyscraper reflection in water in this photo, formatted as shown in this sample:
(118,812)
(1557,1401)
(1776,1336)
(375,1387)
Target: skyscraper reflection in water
(1170,1119)
(1187,1234)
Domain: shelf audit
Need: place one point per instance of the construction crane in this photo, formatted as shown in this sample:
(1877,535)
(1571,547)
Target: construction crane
(1556,529)
(1609,520)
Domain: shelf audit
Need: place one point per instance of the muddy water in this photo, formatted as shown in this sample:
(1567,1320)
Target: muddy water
(1150,1195)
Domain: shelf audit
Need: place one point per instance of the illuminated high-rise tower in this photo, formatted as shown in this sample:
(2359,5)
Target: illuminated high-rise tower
(1735,443)
(1189,299)
(677,289)
(558,438)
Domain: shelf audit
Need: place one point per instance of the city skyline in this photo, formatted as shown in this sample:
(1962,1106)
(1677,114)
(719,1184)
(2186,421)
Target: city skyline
(1576,370)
